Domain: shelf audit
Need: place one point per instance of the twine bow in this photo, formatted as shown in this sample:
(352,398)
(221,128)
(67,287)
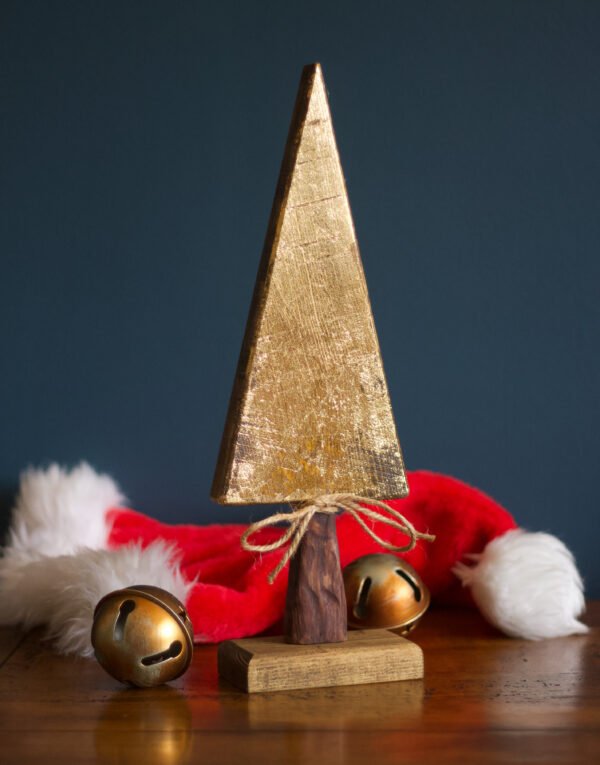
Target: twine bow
(329,504)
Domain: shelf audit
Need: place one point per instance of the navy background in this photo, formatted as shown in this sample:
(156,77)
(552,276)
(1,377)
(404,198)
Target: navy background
(140,148)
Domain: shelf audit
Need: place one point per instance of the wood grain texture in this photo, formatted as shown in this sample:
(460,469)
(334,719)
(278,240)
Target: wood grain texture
(484,699)
(9,641)
(315,608)
(256,665)
(310,412)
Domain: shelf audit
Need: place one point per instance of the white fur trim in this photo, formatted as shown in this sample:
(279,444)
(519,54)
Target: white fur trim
(62,592)
(58,512)
(55,569)
(527,585)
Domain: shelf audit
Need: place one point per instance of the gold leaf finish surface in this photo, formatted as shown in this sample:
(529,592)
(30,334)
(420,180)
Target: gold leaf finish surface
(310,412)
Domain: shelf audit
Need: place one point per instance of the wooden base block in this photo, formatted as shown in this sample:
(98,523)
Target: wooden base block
(271,664)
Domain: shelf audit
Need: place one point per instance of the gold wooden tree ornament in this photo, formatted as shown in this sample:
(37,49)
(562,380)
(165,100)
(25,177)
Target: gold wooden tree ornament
(310,413)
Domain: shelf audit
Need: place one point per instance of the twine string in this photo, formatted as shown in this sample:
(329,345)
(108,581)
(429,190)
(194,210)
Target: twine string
(330,504)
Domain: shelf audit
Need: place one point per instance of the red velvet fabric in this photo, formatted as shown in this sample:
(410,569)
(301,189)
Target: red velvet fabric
(231,596)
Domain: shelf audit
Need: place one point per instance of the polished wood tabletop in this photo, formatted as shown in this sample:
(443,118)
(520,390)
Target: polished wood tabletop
(485,699)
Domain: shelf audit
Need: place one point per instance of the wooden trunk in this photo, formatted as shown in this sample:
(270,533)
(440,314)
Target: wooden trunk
(315,609)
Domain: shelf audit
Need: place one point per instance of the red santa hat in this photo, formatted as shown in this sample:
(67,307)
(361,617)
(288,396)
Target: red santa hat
(72,540)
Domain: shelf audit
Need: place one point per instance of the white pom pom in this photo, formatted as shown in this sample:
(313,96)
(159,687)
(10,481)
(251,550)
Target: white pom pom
(527,585)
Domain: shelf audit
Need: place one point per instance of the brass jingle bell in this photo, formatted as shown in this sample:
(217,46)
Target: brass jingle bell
(383,591)
(142,635)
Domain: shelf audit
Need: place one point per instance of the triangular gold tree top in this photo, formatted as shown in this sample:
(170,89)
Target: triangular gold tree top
(310,412)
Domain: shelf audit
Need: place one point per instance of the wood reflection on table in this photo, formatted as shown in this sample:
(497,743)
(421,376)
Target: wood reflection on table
(485,698)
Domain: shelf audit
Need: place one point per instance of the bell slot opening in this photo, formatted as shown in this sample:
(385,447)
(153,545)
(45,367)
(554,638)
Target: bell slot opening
(172,652)
(126,608)
(360,607)
(415,587)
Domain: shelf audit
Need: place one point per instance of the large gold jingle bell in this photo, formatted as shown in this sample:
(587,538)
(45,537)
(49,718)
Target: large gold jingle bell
(385,592)
(142,635)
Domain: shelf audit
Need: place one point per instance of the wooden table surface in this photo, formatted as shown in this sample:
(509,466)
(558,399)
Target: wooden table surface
(485,698)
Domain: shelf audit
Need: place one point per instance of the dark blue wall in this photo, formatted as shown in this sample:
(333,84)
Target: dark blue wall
(140,148)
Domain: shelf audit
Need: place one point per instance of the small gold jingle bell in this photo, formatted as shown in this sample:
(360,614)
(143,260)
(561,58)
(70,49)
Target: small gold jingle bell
(385,592)
(142,635)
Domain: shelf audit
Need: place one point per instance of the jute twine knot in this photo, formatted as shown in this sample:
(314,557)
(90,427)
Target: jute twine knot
(330,504)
